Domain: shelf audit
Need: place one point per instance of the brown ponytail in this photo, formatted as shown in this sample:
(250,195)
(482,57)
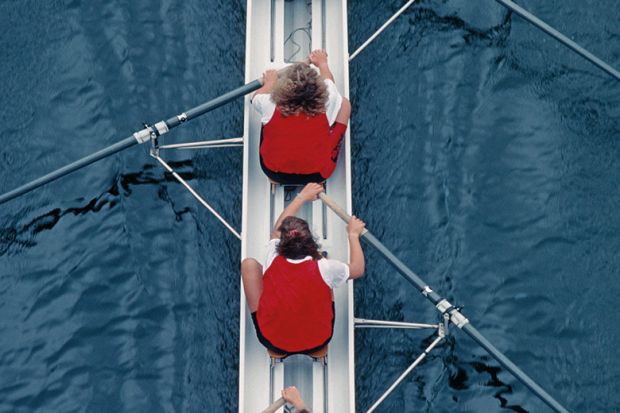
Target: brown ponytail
(296,241)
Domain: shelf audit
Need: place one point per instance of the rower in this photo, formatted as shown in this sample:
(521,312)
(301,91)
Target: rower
(304,119)
(290,295)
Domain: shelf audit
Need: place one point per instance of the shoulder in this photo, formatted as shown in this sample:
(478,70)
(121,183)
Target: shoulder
(272,245)
(262,101)
(334,101)
(272,253)
(331,86)
(335,273)
(264,105)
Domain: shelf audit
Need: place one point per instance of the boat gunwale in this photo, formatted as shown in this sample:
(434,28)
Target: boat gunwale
(337,19)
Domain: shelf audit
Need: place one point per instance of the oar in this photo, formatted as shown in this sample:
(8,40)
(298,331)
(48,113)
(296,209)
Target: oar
(559,37)
(275,406)
(446,308)
(140,136)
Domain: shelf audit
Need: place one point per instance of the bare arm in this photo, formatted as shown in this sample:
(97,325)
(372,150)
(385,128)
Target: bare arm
(326,73)
(319,59)
(309,193)
(357,263)
(291,395)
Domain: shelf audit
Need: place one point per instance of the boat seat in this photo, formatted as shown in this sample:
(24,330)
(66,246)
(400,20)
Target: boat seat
(277,356)
(320,355)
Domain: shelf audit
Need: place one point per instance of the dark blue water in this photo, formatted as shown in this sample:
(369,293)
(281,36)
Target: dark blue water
(117,291)
(488,157)
(485,155)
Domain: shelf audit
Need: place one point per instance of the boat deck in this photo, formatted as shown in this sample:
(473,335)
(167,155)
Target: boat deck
(279,32)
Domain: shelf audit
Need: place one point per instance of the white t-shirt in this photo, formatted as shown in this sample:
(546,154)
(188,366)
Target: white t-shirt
(266,107)
(334,272)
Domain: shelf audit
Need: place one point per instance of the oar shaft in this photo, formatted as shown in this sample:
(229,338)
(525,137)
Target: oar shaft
(411,276)
(559,36)
(513,368)
(213,104)
(446,308)
(275,406)
(103,153)
(405,271)
(138,137)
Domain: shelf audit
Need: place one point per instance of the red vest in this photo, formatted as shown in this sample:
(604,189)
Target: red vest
(295,311)
(297,144)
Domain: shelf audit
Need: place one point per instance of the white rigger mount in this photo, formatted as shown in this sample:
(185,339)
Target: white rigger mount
(154,132)
(441,328)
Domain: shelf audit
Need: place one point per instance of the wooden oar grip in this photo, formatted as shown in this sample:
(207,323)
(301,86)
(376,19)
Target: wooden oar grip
(335,207)
(275,406)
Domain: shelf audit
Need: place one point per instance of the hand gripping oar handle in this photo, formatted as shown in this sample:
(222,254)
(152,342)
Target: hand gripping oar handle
(275,406)
(448,309)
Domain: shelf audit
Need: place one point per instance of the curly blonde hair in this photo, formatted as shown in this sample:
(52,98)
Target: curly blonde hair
(300,89)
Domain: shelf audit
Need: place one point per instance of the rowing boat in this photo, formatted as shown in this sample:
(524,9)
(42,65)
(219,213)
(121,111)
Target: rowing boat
(280,32)
(273,30)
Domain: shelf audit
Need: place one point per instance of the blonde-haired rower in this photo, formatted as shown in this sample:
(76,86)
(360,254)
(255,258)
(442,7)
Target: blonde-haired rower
(303,118)
(290,294)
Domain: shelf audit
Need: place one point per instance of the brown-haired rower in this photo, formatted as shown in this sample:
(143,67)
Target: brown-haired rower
(304,119)
(290,295)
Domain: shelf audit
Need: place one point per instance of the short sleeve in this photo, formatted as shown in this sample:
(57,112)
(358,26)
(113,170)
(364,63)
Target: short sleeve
(272,253)
(334,101)
(334,272)
(263,104)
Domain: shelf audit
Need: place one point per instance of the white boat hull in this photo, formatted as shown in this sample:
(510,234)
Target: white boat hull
(267,30)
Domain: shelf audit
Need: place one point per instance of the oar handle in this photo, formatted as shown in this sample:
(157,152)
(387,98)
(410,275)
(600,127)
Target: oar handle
(337,209)
(275,406)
